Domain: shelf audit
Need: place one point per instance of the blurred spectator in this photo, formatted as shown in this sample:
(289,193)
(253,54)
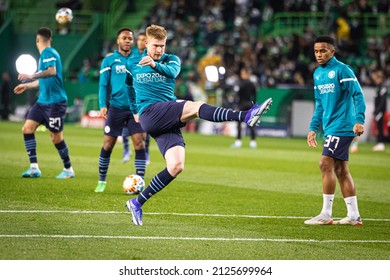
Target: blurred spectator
(384,54)
(197,91)
(357,37)
(246,96)
(364,7)
(108,47)
(5,94)
(4,6)
(343,29)
(380,108)
(182,91)
(87,72)
(73,113)
(382,6)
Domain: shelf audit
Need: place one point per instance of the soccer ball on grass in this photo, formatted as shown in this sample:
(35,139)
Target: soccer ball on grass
(133,184)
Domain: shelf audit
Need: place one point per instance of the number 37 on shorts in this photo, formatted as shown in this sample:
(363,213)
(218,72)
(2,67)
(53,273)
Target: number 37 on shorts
(337,146)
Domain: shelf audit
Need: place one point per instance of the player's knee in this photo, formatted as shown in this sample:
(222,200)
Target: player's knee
(325,166)
(193,106)
(139,146)
(108,146)
(27,130)
(56,138)
(175,168)
(24,130)
(198,104)
(138,142)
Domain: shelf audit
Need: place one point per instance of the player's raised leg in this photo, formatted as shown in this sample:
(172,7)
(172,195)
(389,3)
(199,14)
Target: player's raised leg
(207,112)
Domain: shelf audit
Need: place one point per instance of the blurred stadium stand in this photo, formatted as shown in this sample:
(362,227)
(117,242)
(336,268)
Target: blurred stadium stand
(297,22)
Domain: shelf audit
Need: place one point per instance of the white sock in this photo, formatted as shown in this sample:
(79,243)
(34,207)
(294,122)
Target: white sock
(70,169)
(34,165)
(327,204)
(352,207)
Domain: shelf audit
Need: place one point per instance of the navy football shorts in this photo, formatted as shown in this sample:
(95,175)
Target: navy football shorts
(337,146)
(52,116)
(162,121)
(117,119)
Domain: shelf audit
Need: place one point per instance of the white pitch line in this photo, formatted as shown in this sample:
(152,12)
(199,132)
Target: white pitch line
(188,238)
(172,214)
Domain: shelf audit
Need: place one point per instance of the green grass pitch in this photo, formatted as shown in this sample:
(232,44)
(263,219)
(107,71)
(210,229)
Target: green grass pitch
(228,204)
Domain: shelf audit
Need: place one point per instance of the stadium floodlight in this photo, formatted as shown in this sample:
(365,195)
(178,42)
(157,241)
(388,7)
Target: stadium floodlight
(212,73)
(26,64)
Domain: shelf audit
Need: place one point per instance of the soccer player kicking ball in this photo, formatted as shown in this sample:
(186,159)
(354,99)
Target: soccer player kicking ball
(50,107)
(162,116)
(340,108)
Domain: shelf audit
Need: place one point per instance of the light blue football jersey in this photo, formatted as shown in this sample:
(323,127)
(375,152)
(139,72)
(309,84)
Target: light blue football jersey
(112,79)
(150,85)
(339,99)
(51,89)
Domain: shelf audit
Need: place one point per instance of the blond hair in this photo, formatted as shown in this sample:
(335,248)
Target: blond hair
(156,31)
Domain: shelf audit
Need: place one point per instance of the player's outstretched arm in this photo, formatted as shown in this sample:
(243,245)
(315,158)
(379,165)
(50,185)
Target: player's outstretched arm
(19,89)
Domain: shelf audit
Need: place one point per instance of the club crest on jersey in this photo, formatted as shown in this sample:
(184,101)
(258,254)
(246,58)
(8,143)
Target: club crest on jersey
(331,74)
